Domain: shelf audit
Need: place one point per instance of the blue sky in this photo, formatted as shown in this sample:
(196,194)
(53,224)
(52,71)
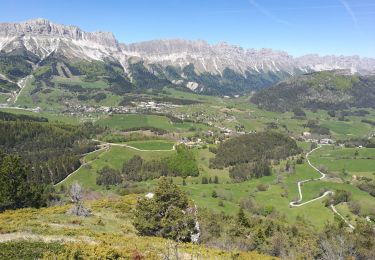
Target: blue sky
(297,26)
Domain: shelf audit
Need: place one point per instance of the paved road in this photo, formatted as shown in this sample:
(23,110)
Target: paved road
(132,147)
(106,145)
(342,217)
(300,183)
(82,165)
(323,175)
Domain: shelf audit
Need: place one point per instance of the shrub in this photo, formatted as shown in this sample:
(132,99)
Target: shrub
(262,187)
(108,176)
(28,250)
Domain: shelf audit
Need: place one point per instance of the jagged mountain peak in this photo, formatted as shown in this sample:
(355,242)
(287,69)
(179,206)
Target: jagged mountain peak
(41,26)
(166,46)
(253,67)
(42,37)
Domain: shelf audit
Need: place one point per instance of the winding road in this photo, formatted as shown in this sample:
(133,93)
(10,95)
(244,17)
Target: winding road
(300,183)
(107,145)
(82,165)
(132,147)
(323,175)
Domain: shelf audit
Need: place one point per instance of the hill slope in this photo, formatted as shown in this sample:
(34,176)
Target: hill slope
(319,90)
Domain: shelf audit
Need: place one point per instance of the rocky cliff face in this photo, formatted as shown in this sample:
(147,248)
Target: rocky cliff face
(215,58)
(190,59)
(43,37)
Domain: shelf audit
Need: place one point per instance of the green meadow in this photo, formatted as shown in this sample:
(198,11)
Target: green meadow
(129,121)
(114,157)
(152,144)
(355,161)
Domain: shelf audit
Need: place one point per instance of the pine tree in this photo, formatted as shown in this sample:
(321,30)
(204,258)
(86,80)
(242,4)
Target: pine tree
(166,214)
(15,189)
(241,218)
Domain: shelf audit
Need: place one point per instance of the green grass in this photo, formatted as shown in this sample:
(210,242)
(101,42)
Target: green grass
(47,101)
(129,121)
(134,121)
(152,144)
(366,201)
(108,232)
(312,189)
(114,158)
(337,158)
(230,193)
(344,210)
(193,96)
(52,117)
(347,129)
(3,98)
(79,81)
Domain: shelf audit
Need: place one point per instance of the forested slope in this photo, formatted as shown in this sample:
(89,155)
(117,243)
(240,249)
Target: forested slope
(52,149)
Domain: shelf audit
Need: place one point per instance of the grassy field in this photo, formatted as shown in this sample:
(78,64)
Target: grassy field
(355,161)
(152,144)
(3,98)
(47,101)
(114,158)
(128,121)
(75,80)
(133,121)
(52,117)
(348,129)
(231,194)
(277,196)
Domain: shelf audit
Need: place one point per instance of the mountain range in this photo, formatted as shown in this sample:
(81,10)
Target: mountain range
(219,69)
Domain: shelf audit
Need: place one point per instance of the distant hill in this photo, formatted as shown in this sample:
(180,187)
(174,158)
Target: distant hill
(319,90)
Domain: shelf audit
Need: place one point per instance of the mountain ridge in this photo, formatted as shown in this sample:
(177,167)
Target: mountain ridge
(170,50)
(197,65)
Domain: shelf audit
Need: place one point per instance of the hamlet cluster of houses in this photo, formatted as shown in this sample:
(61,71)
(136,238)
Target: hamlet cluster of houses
(137,107)
(308,137)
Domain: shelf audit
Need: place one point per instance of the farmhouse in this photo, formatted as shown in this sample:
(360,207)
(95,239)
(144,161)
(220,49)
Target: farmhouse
(326,141)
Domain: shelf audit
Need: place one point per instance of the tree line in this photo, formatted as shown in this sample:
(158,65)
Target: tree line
(182,163)
(52,150)
(249,155)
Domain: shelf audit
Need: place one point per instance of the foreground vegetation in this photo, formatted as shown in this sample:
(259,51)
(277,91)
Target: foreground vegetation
(108,233)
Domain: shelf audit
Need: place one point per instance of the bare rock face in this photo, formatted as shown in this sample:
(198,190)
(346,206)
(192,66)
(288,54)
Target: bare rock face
(43,37)
(215,58)
(42,27)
